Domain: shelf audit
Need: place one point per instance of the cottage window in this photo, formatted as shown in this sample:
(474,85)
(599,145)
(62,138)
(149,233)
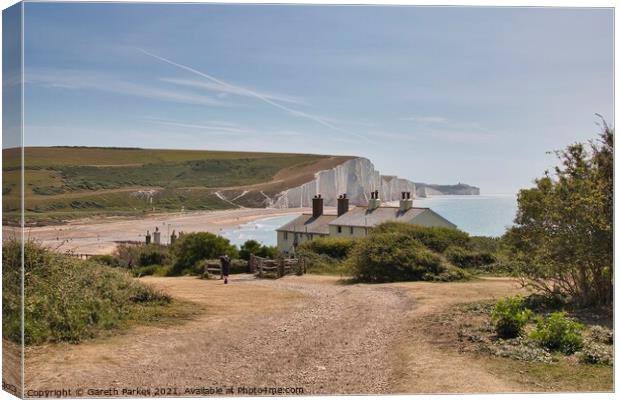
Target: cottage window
(351,230)
(285,235)
(340,229)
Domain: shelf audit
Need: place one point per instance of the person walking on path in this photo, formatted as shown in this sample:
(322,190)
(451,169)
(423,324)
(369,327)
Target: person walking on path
(225,261)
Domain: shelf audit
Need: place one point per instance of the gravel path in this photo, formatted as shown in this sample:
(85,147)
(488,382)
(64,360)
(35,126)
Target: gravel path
(307,332)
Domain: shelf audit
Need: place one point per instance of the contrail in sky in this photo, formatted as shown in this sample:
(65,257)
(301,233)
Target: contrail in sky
(250,93)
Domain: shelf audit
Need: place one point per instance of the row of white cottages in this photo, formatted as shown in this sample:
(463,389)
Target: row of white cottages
(353,222)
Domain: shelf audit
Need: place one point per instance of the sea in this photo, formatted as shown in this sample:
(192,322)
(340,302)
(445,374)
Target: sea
(484,215)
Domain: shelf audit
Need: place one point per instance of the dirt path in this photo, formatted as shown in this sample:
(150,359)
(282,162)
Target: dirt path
(308,332)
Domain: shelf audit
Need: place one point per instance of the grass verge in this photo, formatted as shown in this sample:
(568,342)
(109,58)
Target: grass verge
(71,300)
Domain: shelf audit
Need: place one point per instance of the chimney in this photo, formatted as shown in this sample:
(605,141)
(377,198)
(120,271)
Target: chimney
(406,203)
(374,201)
(343,204)
(317,206)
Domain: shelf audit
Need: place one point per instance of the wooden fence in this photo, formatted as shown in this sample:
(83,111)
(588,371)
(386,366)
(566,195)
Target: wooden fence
(81,256)
(264,267)
(212,269)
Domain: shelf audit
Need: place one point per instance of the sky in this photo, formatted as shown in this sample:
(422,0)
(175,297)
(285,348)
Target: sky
(436,95)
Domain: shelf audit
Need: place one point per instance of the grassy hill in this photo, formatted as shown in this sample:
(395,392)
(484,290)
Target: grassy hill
(71,182)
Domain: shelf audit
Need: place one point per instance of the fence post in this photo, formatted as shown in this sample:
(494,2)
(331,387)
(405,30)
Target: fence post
(252,265)
(281,268)
(300,270)
(260,269)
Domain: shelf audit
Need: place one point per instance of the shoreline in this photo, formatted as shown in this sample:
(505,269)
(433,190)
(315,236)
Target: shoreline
(100,236)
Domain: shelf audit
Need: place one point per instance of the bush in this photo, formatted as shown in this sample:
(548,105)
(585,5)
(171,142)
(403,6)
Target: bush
(140,255)
(484,244)
(563,233)
(155,270)
(435,238)
(106,260)
(509,317)
(67,300)
(545,301)
(450,273)
(469,259)
(191,248)
(322,263)
(253,247)
(334,247)
(558,332)
(392,256)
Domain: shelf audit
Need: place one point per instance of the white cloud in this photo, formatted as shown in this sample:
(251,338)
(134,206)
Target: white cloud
(75,80)
(211,126)
(224,90)
(250,93)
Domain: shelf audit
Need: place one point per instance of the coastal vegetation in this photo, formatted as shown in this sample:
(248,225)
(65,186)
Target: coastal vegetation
(70,300)
(327,255)
(253,247)
(188,255)
(561,249)
(562,240)
(62,183)
(396,251)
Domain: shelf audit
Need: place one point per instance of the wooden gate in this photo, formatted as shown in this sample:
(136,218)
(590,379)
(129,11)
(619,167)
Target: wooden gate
(267,268)
(211,269)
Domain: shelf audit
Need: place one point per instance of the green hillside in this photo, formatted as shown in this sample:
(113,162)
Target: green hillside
(71,182)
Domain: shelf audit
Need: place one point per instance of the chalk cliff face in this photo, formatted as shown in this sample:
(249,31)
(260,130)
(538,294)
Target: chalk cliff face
(357,178)
(426,190)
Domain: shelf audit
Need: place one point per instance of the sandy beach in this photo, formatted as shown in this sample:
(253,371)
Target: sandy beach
(100,236)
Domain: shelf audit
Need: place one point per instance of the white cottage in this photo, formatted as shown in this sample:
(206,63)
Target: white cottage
(353,222)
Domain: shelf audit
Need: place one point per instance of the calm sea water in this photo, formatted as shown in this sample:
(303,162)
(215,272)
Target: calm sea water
(476,215)
(261,230)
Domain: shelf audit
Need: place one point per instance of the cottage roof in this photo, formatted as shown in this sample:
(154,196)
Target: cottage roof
(361,216)
(305,223)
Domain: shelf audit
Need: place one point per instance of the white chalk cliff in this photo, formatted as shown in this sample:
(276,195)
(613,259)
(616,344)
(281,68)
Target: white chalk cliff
(357,178)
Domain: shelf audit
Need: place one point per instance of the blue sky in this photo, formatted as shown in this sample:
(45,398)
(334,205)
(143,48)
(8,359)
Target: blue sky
(441,95)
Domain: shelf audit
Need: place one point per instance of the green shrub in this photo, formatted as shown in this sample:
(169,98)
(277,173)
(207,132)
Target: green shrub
(435,238)
(334,247)
(190,249)
(152,255)
(545,301)
(450,273)
(67,299)
(509,317)
(253,247)
(322,263)
(106,260)
(238,266)
(154,269)
(392,256)
(484,244)
(558,332)
(469,259)
(140,255)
